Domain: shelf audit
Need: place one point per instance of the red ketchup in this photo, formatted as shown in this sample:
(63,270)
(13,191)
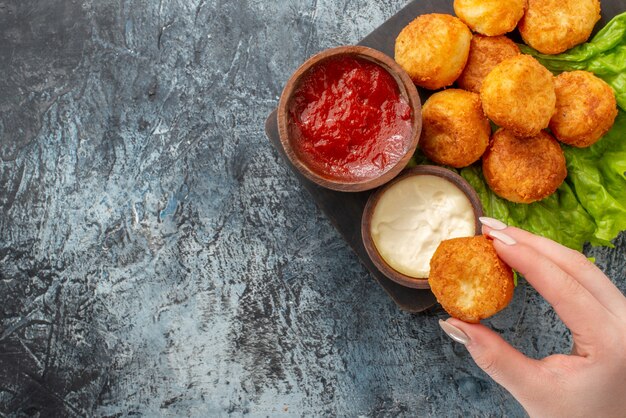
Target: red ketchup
(348,119)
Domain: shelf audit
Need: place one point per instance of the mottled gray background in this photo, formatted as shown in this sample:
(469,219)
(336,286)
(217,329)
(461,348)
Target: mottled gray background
(159,258)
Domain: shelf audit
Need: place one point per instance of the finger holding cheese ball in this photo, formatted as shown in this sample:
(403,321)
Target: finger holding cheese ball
(455,131)
(485,53)
(518,94)
(490,17)
(585,108)
(433,50)
(469,280)
(523,170)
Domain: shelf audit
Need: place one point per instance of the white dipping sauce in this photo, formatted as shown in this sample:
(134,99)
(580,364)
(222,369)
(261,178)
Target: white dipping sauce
(413,216)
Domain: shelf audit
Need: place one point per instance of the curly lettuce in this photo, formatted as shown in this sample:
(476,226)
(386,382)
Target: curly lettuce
(597,175)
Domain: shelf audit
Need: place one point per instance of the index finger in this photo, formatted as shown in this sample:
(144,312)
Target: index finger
(577,308)
(572,262)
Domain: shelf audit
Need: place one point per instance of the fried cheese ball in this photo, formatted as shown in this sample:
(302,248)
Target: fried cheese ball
(524,170)
(455,131)
(585,108)
(490,17)
(518,94)
(469,280)
(485,53)
(433,49)
(554,26)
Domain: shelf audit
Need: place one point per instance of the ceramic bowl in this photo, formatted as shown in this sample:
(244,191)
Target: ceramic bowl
(407,90)
(366,221)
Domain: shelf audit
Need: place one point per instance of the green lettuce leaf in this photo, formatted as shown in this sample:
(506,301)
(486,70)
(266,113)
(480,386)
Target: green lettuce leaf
(597,176)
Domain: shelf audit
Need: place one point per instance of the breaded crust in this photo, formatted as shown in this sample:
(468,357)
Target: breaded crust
(585,108)
(455,130)
(490,17)
(485,53)
(469,280)
(554,26)
(524,170)
(433,49)
(518,94)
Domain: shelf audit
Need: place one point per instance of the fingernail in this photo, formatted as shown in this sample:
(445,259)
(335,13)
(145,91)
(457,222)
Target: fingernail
(453,332)
(492,223)
(501,236)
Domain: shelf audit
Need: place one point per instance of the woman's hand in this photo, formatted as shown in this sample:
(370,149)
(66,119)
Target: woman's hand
(589,382)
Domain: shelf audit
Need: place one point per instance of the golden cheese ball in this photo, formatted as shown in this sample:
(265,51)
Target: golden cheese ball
(433,49)
(490,17)
(485,53)
(455,131)
(585,108)
(518,94)
(524,170)
(554,26)
(469,280)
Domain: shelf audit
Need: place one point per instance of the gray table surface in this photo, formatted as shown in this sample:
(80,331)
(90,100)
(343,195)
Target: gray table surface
(159,258)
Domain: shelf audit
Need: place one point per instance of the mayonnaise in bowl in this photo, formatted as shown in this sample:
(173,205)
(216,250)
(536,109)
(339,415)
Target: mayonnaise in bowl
(410,217)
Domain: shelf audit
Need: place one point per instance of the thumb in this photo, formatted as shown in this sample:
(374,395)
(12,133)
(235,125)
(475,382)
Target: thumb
(518,374)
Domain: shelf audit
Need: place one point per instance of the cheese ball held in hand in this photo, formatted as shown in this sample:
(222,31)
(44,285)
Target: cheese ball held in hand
(433,50)
(554,26)
(490,17)
(518,94)
(485,53)
(469,280)
(455,131)
(524,170)
(585,108)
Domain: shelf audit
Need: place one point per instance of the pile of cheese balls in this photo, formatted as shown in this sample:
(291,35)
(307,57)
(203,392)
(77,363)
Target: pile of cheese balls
(522,161)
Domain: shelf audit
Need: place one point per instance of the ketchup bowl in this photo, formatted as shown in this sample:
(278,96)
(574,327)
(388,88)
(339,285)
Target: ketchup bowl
(349,118)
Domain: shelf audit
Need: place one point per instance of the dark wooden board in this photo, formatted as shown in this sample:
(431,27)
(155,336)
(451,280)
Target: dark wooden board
(345,209)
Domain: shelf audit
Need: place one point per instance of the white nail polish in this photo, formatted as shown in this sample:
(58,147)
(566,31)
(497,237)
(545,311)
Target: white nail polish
(492,223)
(453,332)
(502,237)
